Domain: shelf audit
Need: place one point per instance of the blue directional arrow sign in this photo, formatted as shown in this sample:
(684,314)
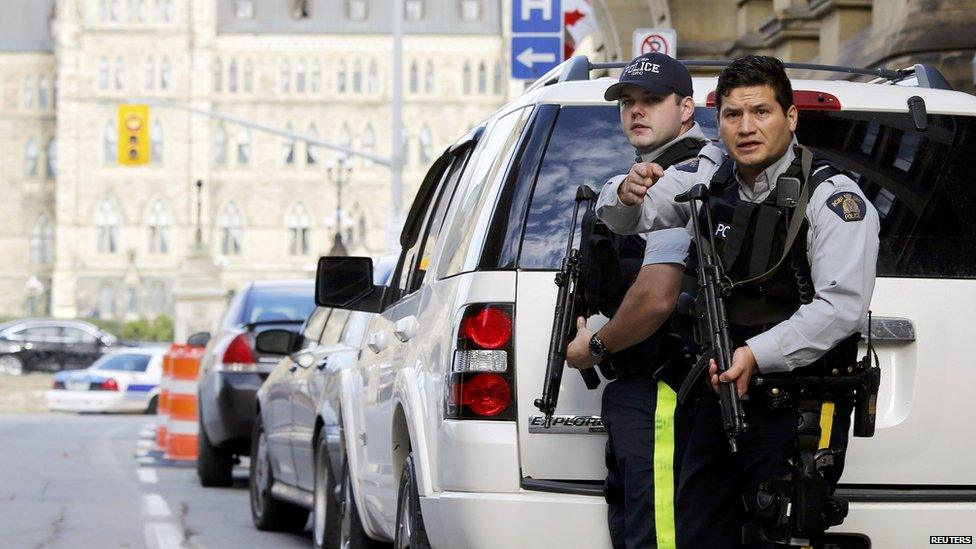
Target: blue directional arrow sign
(537,37)
(537,17)
(533,56)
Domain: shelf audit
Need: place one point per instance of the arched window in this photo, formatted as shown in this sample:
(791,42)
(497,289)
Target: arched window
(32,157)
(141,12)
(248,76)
(103,10)
(110,142)
(357,76)
(243,146)
(220,145)
(414,77)
(297,223)
(113,12)
(150,73)
(28,92)
(497,80)
(42,92)
(288,146)
(157,10)
(131,10)
(369,139)
(106,302)
(231,230)
(429,77)
(106,228)
(354,227)
(164,75)
(232,76)
(218,75)
(341,77)
(311,154)
(42,241)
(103,74)
(158,297)
(119,73)
(425,142)
(52,158)
(167,10)
(300,77)
(285,76)
(482,78)
(156,140)
(158,228)
(316,76)
(466,78)
(373,78)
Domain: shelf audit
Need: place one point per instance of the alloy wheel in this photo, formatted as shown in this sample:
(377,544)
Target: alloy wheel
(11,365)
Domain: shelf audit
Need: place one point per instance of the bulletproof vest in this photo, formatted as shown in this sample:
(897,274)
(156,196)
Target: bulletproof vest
(749,241)
(611,261)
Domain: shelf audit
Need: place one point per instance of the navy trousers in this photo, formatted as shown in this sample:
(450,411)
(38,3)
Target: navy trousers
(647,434)
(709,509)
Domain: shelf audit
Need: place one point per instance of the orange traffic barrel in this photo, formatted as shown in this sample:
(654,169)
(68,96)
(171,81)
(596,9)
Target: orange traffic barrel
(162,408)
(183,426)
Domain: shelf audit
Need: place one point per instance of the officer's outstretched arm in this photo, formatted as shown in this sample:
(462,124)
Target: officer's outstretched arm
(658,210)
(843,254)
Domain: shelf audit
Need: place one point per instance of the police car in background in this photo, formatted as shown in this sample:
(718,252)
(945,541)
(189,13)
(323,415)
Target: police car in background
(125,380)
(443,443)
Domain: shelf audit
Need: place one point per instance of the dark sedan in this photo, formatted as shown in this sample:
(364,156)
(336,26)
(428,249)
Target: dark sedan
(232,370)
(50,345)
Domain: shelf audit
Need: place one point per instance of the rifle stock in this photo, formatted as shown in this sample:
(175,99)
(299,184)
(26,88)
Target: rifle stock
(569,306)
(710,305)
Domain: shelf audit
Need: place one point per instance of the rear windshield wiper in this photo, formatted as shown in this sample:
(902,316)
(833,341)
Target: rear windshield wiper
(251,325)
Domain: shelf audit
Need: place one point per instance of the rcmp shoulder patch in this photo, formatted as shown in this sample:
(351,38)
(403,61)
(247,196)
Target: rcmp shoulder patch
(848,205)
(690,166)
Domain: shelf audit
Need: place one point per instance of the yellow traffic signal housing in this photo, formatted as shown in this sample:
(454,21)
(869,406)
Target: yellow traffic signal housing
(133,135)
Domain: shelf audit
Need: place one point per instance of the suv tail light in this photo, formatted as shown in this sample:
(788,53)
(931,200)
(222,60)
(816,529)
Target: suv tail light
(57,384)
(482,377)
(238,355)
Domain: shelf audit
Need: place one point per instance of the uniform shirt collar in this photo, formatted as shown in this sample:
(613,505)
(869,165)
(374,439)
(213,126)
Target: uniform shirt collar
(766,181)
(695,132)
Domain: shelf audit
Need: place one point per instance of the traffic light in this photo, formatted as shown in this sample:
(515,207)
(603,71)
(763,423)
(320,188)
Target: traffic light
(133,135)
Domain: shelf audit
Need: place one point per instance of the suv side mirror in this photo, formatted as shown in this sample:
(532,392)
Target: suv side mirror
(199,339)
(347,283)
(276,342)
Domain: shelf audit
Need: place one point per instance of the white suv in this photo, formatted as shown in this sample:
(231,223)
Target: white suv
(456,355)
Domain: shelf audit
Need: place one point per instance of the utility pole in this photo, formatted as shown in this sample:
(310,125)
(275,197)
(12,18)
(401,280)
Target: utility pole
(396,166)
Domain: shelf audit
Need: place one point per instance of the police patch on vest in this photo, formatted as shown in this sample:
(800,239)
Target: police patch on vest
(847,205)
(690,166)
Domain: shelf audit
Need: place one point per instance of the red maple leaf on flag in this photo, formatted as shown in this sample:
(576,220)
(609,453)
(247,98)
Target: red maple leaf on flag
(571,17)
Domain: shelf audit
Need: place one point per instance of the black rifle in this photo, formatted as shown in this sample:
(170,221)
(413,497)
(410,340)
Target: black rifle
(713,288)
(569,306)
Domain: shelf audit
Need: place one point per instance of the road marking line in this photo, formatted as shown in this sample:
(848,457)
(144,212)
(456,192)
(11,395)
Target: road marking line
(144,444)
(154,505)
(147,476)
(163,535)
(146,459)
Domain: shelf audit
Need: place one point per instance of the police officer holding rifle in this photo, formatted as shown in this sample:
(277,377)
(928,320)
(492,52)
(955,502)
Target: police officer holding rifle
(796,243)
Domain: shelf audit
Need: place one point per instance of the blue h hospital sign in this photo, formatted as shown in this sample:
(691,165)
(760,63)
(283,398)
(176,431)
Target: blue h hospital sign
(537,37)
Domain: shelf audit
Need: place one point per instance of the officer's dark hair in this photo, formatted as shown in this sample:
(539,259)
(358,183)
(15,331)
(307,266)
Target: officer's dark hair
(755,70)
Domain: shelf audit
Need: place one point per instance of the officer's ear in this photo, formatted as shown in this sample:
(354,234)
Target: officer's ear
(687,109)
(793,115)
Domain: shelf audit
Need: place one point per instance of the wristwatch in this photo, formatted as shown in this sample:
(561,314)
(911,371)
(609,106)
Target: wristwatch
(597,348)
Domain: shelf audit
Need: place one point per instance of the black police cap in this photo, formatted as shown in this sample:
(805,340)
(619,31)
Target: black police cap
(653,72)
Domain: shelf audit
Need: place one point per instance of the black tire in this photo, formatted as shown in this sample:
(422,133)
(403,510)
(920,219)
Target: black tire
(153,405)
(352,535)
(325,513)
(410,531)
(267,512)
(214,465)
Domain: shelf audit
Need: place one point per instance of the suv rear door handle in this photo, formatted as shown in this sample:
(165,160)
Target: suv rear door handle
(406,328)
(377,341)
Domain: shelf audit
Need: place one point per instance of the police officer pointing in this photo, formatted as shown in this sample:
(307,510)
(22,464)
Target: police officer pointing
(798,299)
(646,431)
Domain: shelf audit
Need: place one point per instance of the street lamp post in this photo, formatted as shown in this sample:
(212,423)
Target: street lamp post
(339,172)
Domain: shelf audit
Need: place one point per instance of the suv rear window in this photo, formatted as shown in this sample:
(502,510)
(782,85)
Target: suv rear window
(287,304)
(920,183)
(123,363)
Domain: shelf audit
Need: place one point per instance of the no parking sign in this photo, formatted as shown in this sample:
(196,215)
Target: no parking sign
(655,40)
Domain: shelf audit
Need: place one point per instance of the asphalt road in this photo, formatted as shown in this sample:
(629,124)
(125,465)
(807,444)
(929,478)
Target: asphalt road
(74,481)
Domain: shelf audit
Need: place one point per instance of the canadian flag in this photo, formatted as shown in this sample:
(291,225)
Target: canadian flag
(578,23)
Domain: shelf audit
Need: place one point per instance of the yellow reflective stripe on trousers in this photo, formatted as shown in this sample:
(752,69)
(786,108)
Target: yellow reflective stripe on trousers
(664,465)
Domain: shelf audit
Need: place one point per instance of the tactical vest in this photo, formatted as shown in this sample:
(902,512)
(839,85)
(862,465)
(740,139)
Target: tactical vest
(768,286)
(610,263)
